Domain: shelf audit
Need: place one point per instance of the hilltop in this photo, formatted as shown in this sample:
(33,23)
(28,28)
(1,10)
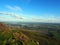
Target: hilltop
(4,26)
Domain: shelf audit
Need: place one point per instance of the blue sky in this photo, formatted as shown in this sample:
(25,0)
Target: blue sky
(30,10)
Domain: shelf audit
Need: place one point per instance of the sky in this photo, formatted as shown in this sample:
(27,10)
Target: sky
(30,10)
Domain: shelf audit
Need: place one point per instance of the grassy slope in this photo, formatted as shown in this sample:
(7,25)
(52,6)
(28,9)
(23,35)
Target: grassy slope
(42,38)
(21,37)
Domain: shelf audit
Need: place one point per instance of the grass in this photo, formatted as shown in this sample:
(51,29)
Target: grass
(21,37)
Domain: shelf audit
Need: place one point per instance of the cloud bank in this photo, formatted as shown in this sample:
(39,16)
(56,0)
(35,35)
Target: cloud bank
(16,17)
(11,14)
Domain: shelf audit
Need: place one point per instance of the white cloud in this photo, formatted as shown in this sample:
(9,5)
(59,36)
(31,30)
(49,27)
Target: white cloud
(12,15)
(50,18)
(14,8)
(9,19)
(16,17)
